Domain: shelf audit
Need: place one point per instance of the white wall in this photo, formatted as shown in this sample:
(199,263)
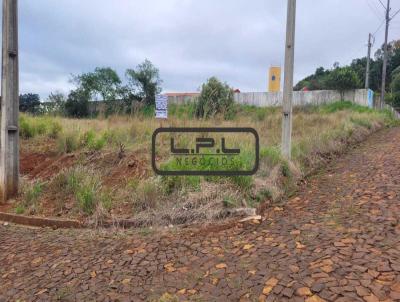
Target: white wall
(300,98)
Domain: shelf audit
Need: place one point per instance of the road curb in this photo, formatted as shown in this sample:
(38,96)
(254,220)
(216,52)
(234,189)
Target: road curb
(41,222)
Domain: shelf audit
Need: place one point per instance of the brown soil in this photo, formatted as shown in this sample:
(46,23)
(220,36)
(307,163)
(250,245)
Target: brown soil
(44,166)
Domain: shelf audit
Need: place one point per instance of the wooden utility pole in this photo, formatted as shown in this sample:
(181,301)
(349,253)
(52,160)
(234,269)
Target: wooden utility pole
(385,55)
(368,61)
(9,152)
(288,80)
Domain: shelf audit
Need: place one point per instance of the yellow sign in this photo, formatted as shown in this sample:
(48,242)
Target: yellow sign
(274,79)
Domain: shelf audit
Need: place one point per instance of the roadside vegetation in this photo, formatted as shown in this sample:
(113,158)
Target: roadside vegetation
(92,162)
(100,168)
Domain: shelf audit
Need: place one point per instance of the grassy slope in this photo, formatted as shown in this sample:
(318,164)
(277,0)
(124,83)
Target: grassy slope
(111,173)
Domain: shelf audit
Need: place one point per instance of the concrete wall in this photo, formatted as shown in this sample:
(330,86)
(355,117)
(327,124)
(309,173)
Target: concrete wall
(300,98)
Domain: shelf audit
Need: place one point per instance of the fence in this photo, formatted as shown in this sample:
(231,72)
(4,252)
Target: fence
(300,98)
(303,98)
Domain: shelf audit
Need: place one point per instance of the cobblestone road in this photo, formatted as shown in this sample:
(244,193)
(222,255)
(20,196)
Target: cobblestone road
(337,240)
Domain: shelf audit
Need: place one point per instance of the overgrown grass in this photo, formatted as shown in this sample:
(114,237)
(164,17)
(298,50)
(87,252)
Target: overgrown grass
(84,185)
(317,131)
(344,105)
(30,199)
(39,126)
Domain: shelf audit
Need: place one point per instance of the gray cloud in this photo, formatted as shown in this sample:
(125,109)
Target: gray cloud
(188,40)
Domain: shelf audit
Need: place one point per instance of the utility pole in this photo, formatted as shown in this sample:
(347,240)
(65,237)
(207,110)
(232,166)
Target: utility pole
(368,62)
(9,152)
(385,55)
(288,80)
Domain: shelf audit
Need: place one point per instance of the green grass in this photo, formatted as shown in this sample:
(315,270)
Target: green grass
(84,184)
(30,200)
(30,127)
(243,162)
(272,155)
(345,105)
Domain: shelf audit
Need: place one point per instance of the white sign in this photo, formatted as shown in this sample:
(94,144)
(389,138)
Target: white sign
(162,106)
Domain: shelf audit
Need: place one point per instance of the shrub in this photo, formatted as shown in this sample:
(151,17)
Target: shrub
(393,99)
(342,79)
(77,104)
(215,98)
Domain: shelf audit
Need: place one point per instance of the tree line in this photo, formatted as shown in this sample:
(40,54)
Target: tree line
(140,87)
(353,75)
(143,83)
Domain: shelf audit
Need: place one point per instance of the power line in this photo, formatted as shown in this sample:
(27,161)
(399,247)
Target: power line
(380,26)
(394,15)
(382,4)
(373,9)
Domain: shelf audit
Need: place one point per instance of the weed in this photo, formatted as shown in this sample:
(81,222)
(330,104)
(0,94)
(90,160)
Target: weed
(363,122)
(86,197)
(271,154)
(263,195)
(146,231)
(20,209)
(68,142)
(285,169)
(229,202)
(31,198)
(167,298)
(30,127)
(146,196)
(84,185)
(106,201)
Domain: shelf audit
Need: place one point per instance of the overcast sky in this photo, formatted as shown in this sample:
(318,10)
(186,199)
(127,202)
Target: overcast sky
(189,40)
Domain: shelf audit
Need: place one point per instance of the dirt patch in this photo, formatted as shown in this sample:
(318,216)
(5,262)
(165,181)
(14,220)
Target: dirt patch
(44,166)
(127,168)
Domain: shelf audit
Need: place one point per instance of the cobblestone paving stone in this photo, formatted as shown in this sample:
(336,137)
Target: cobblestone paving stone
(338,239)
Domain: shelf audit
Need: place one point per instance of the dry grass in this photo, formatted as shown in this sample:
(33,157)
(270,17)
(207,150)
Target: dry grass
(117,151)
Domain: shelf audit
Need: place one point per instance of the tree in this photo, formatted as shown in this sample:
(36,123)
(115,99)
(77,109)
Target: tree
(102,84)
(315,81)
(342,79)
(77,104)
(215,97)
(144,82)
(57,100)
(29,102)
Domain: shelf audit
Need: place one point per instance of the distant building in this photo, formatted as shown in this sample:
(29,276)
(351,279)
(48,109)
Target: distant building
(274,80)
(181,97)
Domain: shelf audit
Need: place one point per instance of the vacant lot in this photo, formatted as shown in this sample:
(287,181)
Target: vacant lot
(96,169)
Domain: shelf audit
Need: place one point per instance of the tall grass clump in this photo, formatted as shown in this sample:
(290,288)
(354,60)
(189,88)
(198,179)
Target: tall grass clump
(84,184)
(68,142)
(30,127)
(30,200)
(146,196)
